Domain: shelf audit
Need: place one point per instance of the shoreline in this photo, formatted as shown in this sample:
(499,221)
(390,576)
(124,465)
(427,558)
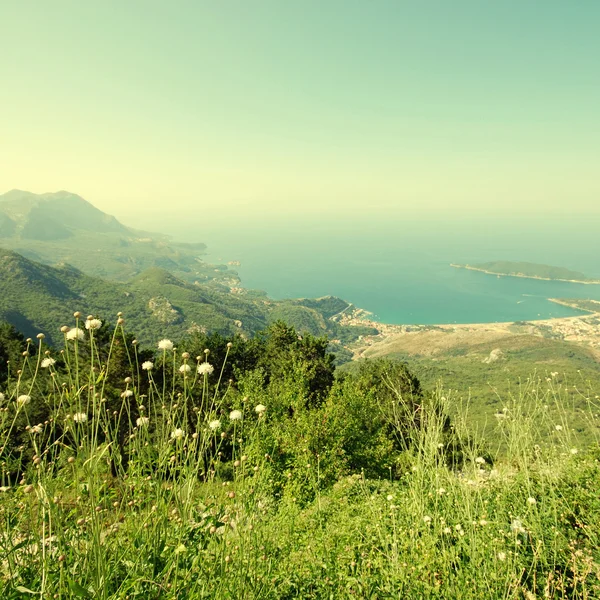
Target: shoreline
(522,276)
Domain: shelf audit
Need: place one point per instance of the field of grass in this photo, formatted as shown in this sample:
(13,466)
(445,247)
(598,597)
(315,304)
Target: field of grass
(183,485)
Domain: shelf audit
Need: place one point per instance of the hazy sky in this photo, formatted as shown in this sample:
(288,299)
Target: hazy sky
(238,107)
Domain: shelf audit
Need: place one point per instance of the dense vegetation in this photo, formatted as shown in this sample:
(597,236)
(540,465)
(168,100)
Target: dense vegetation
(157,303)
(232,468)
(525,269)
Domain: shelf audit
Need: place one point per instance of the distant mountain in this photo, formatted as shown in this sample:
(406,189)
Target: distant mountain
(40,298)
(62,227)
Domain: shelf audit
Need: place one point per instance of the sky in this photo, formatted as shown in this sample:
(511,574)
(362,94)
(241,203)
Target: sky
(236,110)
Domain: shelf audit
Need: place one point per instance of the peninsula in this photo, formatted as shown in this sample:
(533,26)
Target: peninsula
(529,271)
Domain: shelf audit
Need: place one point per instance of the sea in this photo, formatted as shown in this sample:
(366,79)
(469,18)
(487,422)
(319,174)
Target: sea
(399,268)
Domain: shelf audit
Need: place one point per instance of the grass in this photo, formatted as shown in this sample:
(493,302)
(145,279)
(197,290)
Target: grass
(100,504)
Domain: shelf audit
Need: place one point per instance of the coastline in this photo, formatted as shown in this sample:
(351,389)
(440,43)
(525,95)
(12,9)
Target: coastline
(522,276)
(583,329)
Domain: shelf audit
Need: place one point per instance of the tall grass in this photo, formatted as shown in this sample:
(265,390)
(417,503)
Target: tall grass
(162,492)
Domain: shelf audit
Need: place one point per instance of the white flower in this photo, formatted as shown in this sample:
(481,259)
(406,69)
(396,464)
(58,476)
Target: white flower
(177,434)
(531,500)
(260,409)
(441,491)
(75,334)
(165,345)
(185,369)
(502,556)
(80,417)
(554,374)
(148,365)
(558,427)
(214,424)
(517,527)
(142,421)
(1,397)
(23,400)
(390,497)
(480,460)
(447,530)
(427,519)
(36,429)
(574,451)
(205,369)
(93,324)
(126,394)
(235,415)
(47,362)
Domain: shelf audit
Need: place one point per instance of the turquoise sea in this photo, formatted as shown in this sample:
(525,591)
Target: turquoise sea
(400,269)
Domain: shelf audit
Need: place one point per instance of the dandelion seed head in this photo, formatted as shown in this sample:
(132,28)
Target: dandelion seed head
(165,345)
(235,415)
(92,323)
(75,333)
(23,399)
(205,369)
(177,434)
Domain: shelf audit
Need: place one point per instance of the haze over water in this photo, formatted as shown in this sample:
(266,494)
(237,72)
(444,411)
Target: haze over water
(400,269)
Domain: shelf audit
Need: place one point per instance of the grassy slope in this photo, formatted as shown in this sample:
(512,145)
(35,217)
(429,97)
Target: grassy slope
(525,360)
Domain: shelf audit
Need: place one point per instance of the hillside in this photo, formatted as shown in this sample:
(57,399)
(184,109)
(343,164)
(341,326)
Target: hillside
(62,227)
(155,303)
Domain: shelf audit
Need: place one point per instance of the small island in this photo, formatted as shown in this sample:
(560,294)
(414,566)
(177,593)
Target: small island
(529,271)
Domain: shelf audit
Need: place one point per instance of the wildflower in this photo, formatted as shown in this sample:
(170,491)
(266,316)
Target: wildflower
(516,526)
(531,500)
(23,399)
(427,519)
(93,324)
(260,409)
(165,345)
(147,365)
(441,491)
(574,451)
(4,489)
(205,369)
(235,415)
(447,530)
(502,556)
(126,394)
(80,417)
(185,369)
(181,549)
(1,397)
(483,522)
(36,429)
(390,497)
(47,362)
(480,460)
(558,427)
(142,421)
(554,374)
(214,425)
(75,334)
(177,434)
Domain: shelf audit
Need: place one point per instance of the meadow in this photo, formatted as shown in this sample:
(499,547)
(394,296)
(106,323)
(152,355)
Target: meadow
(225,468)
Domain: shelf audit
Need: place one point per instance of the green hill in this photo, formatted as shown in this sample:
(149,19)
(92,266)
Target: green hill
(62,227)
(529,270)
(155,303)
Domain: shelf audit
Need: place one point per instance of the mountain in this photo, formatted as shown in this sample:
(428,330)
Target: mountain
(40,298)
(62,227)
